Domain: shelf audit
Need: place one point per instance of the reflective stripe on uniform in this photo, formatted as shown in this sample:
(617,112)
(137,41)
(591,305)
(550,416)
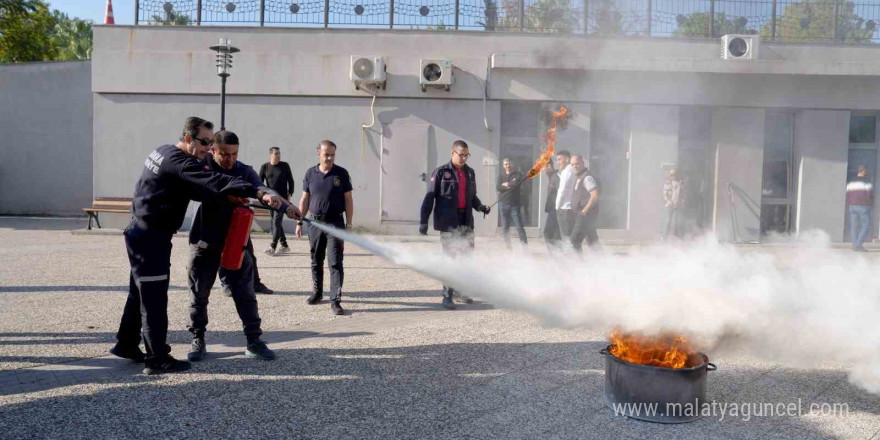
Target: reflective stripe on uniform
(153,278)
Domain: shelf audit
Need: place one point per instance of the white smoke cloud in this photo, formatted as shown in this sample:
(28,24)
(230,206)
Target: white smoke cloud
(799,304)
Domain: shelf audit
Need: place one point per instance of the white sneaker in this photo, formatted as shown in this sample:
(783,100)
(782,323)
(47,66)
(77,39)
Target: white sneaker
(284,250)
(270,251)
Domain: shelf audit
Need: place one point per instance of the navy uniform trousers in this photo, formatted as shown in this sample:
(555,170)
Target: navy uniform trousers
(146,309)
(322,244)
(204,264)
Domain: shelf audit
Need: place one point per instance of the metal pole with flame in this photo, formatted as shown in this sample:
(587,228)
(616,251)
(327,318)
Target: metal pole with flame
(557,117)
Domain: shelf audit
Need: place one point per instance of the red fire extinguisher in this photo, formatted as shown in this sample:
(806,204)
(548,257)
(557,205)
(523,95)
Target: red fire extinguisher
(237,238)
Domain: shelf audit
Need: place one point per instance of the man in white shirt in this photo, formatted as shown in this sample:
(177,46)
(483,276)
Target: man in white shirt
(567,179)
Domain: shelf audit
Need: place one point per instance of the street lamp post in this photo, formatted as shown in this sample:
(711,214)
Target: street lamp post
(224,65)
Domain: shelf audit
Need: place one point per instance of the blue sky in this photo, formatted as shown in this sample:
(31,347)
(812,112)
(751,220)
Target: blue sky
(123,10)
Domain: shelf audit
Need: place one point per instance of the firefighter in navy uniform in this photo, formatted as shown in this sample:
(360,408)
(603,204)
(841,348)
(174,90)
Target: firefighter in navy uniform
(452,194)
(172,176)
(206,239)
(327,195)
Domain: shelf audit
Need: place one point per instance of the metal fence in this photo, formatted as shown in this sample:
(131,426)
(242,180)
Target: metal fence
(776,20)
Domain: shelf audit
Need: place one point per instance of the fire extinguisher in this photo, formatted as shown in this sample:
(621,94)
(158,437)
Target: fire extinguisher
(237,238)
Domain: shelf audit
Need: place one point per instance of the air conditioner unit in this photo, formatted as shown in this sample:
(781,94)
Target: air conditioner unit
(740,47)
(367,70)
(435,73)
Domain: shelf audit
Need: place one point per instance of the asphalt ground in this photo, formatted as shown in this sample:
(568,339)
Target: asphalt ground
(396,365)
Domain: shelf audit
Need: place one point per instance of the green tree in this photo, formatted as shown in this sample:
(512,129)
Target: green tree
(813,20)
(490,15)
(608,19)
(551,16)
(172,19)
(73,37)
(697,25)
(26,31)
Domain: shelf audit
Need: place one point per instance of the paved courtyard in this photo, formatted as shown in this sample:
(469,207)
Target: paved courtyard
(396,366)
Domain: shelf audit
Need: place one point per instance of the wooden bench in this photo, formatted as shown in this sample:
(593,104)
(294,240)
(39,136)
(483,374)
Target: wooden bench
(116,205)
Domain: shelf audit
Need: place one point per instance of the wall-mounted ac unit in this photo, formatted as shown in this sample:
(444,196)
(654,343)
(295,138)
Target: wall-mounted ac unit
(367,70)
(740,47)
(435,73)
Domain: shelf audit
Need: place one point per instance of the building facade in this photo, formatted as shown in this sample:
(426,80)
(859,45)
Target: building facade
(766,145)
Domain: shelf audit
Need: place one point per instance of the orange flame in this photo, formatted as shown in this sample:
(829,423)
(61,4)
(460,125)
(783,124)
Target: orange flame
(547,154)
(664,350)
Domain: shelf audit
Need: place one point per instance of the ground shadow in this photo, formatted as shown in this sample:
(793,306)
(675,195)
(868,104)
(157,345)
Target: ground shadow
(463,390)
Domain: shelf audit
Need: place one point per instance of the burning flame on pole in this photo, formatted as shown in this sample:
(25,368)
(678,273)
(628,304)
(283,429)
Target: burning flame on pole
(550,137)
(557,117)
(664,350)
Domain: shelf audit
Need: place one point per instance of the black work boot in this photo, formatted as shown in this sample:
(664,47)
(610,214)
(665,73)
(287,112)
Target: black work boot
(315,298)
(447,303)
(336,308)
(197,351)
(261,288)
(258,349)
(133,353)
(166,365)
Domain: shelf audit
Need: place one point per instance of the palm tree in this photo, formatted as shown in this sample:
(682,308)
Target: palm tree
(172,19)
(73,37)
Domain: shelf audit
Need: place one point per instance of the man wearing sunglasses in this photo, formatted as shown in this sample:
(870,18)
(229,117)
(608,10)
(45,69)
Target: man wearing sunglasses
(172,176)
(452,194)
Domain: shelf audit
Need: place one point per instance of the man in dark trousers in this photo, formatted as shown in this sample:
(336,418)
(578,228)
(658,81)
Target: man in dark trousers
(326,195)
(510,203)
(206,239)
(172,176)
(584,205)
(452,194)
(551,226)
(277,175)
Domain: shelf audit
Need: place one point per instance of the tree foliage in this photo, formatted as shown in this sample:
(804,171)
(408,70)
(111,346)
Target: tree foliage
(813,20)
(26,28)
(172,19)
(29,32)
(697,25)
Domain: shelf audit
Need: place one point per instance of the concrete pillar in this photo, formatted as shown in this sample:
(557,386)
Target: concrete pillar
(653,145)
(738,137)
(821,146)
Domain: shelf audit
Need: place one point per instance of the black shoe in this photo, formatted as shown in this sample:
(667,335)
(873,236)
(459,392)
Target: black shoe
(447,303)
(336,308)
(259,350)
(463,298)
(167,365)
(315,298)
(261,288)
(197,351)
(133,353)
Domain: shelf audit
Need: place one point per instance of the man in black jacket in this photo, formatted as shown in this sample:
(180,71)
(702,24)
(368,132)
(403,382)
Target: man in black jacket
(452,194)
(206,239)
(508,182)
(172,176)
(276,174)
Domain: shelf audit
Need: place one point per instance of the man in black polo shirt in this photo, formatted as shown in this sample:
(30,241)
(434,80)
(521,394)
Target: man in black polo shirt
(326,195)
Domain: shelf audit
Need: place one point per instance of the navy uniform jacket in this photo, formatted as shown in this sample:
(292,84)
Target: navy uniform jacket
(211,222)
(172,178)
(442,198)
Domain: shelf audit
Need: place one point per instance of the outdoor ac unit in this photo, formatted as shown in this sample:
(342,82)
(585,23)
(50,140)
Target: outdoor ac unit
(435,73)
(740,47)
(367,70)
